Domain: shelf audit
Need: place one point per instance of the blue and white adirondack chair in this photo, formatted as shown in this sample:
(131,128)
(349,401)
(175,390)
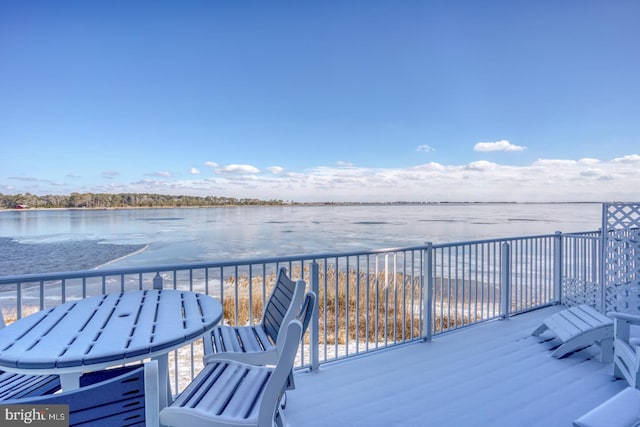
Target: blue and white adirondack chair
(262,343)
(125,396)
(229,393)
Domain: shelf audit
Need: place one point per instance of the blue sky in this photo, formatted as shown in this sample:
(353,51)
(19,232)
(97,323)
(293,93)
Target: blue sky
(323,101)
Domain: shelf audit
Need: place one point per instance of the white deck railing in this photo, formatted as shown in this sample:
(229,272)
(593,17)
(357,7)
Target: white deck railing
(367,300)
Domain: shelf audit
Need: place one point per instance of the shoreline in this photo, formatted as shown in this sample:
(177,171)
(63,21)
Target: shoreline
(310,204)
(139,251)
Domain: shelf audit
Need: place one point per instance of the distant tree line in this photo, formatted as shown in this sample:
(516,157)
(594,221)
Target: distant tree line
(123,200)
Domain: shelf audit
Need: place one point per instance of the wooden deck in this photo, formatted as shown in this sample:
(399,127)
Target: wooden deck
(495,374)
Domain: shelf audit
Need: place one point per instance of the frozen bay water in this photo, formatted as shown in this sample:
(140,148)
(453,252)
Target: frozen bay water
(36,241)
(25,258)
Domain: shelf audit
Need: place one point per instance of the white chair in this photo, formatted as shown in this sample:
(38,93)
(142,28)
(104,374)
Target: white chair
(258,344)
(304,317)
(626,353)
(230,393)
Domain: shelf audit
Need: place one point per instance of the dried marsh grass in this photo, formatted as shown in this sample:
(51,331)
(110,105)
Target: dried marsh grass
(367,307)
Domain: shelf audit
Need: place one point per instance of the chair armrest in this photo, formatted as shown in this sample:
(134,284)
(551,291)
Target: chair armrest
(622,324)
(207,343)
(631,318)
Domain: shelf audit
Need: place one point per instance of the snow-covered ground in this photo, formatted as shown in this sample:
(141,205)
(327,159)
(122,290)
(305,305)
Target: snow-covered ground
(493,375)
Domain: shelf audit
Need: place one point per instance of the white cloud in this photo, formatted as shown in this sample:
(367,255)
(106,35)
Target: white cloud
(555,163)
(592,172)
(194,171)
(502,145)
(238,169)
(633,158)
(481,165)
(587,161)
(425,148)
(433,166)
(342,164)
(276,170)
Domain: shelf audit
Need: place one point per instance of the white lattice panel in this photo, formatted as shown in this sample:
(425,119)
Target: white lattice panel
(578,291)
(623,298)
(621,228)
(621,215)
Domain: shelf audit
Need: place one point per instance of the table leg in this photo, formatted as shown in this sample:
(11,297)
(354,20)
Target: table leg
(164,384)
(70,381)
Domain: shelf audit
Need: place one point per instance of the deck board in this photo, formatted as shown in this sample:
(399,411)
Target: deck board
(495,374)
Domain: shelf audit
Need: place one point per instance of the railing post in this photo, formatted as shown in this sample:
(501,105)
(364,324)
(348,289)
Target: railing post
(19,299)
(604,245)
(602,258)
(558,257)
(314,333)
(157,281)
(505,280)
(427,286)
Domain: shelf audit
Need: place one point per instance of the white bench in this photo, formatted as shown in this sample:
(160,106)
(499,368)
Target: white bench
(579,327)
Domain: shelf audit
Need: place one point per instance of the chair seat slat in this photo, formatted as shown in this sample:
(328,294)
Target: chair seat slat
(226,339)
(264,339)
(211,389)
(14,386)
(248,391)
(252,339)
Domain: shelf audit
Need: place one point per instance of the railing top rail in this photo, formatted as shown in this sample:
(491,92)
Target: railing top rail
(582,234)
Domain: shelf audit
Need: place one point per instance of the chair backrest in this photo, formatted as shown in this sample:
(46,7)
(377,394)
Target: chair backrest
(278,379)
(128,396)
(282,306)
(304,317)
(306,311)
